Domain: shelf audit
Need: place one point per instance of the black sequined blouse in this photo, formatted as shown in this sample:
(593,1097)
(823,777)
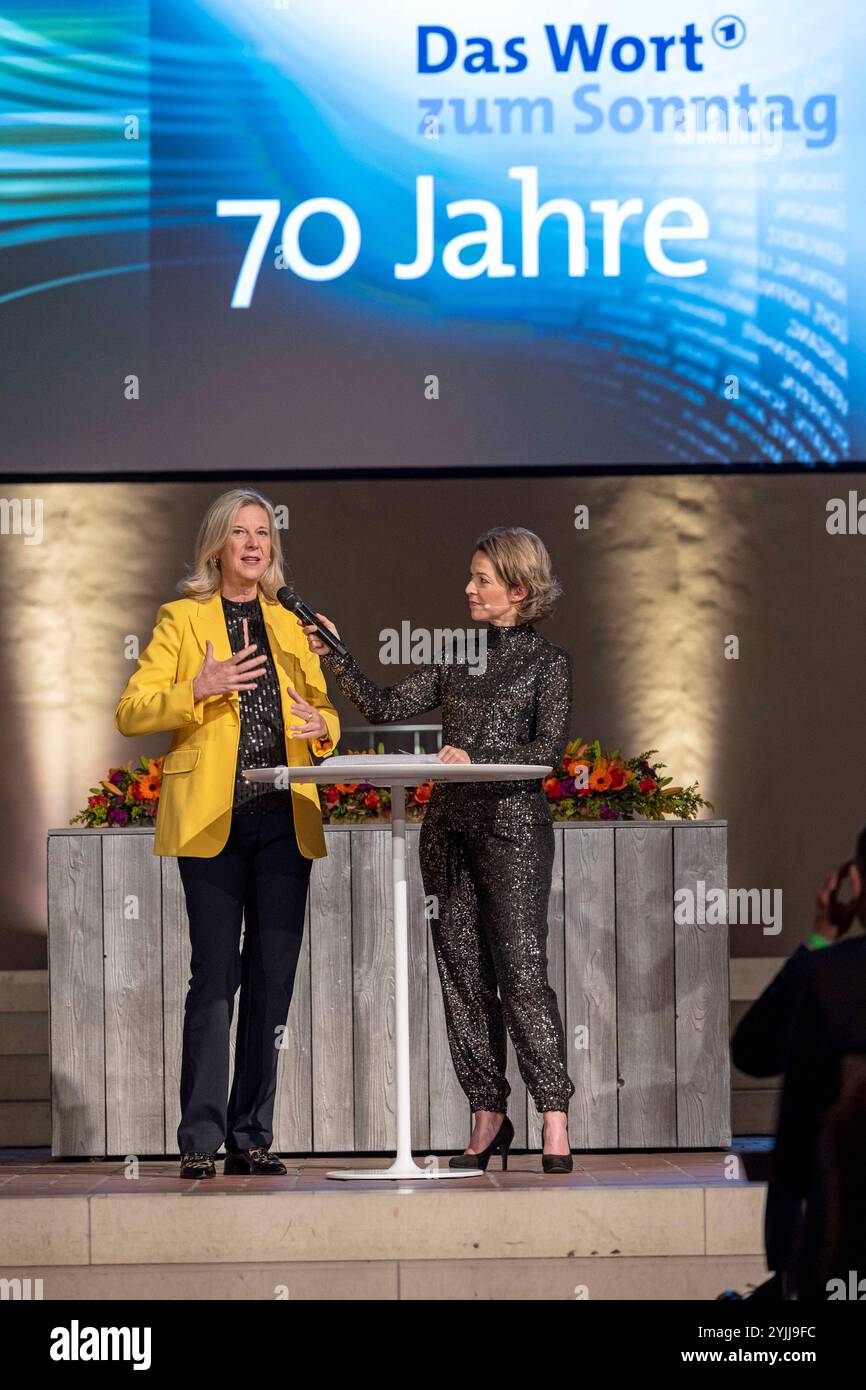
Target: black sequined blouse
(262,740)
(517,711)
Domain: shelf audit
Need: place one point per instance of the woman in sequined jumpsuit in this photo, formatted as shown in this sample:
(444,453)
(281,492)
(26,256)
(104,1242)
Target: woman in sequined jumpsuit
(486,848)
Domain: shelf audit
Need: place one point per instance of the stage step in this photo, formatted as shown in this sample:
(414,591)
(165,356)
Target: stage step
(25,1077)
(686,1277)
(231,1221)
(25,1124)
(25,1085)
(23,991)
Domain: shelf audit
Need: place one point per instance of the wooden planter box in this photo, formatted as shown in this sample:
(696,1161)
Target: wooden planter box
(650,997)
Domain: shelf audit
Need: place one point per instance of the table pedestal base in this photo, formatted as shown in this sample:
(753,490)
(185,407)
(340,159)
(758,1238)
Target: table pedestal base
(402,1168)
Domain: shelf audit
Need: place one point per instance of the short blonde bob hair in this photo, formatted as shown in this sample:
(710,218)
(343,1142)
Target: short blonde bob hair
(203,581)
(521,560)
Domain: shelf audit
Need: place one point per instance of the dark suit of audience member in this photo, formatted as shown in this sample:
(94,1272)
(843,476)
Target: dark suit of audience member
(844,1250)
(810,1016)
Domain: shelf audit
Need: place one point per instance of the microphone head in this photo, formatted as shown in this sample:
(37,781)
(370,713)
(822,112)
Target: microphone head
(288,598)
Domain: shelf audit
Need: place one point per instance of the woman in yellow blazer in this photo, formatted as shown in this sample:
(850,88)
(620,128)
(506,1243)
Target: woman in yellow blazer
(229,673)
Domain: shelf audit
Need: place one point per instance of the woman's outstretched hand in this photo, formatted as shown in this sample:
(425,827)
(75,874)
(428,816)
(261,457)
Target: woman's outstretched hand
(237,673)
(314,725)
(316,645)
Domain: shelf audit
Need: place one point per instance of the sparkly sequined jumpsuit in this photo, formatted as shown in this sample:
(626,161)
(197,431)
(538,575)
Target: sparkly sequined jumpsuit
(486,853)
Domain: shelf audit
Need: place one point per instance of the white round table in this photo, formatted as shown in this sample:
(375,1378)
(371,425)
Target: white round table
(398,772)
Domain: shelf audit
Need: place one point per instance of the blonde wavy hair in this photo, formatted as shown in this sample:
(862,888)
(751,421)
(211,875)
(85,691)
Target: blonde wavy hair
(203,580)
(521,560)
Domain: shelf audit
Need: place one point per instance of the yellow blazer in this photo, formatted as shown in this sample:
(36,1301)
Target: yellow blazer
(198,775)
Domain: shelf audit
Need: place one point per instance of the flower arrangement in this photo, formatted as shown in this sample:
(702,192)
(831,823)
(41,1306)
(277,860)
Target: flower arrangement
(357,801)
(126,797)
(593,785)
(588,784)
(361,801)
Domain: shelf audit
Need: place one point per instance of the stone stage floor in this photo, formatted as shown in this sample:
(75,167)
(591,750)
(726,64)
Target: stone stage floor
(634,1225)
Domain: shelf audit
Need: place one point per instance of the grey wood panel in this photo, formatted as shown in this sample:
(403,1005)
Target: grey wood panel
(348,1056)
(450,1116)
(590,986)
(701,950)
(418,1028)
(555,974)
(646,1042)
(176,972)
(132,924)
(331,991)
(76,996)
(373,991)
(293,1103)
(517,1100)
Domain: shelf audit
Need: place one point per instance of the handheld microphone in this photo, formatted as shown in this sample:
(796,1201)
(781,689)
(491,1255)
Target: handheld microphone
(291,600)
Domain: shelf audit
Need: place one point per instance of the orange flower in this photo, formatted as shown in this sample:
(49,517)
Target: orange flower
(617,778)
(371,801)
(422,794)
(154,766)
(553,787)
(146,788)
(599,778)
(346,786)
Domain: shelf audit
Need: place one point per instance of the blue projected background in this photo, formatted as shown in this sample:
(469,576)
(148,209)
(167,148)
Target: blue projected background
(321,236)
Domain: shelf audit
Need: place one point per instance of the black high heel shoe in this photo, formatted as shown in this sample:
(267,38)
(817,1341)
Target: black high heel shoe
(556,1163)
(500,1143)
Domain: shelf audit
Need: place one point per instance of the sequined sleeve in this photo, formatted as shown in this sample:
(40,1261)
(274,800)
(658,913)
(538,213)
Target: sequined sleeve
(420,691)
(552,720)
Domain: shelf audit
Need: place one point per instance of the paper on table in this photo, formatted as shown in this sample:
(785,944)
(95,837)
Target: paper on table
(357,762)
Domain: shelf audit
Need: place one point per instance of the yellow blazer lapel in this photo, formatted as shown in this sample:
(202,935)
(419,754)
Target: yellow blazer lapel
(209,625)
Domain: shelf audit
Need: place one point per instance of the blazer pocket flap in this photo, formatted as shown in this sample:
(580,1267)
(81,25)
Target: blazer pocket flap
(181,760)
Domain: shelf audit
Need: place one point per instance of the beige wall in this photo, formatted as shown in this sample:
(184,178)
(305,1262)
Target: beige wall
(668,568)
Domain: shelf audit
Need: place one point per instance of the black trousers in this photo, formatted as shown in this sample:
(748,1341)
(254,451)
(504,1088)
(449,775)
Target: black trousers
(260,877)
